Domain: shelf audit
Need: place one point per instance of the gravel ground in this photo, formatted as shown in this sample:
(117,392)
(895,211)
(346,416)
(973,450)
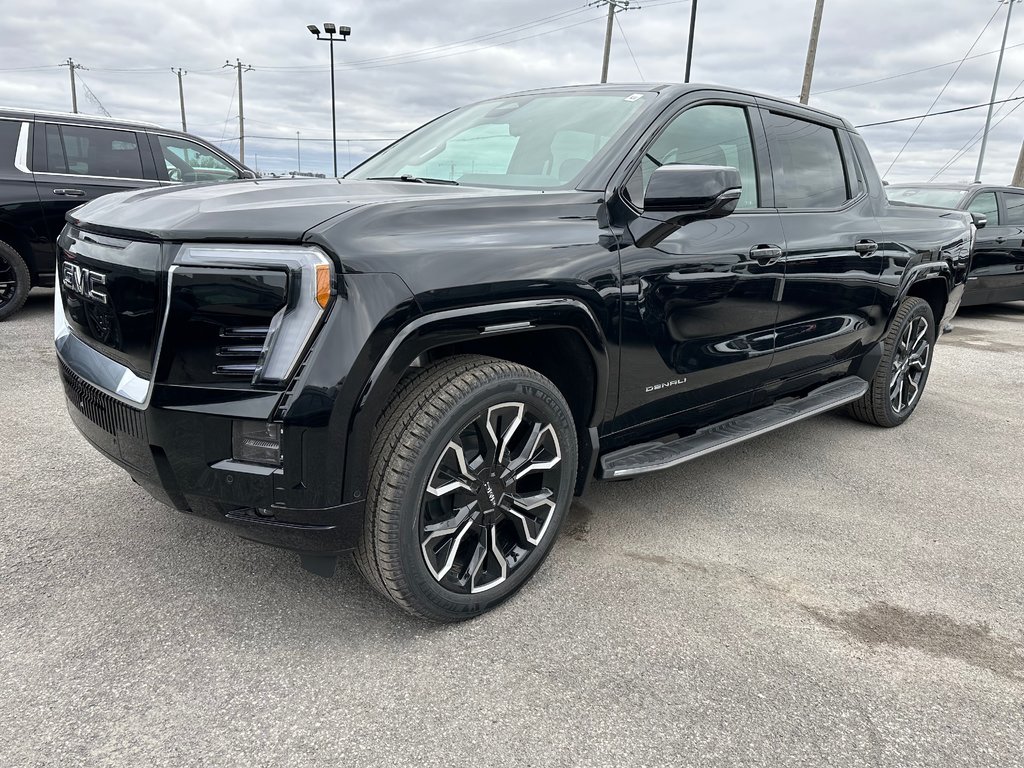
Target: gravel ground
(830,594)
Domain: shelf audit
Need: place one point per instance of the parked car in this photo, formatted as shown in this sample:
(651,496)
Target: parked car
(51,162)
(997,266)
(425,360)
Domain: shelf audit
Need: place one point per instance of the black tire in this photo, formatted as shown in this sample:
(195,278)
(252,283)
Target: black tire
(422,548)
(15,281)
(882,404)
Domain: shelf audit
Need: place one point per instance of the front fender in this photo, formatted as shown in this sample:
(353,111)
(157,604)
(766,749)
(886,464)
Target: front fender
(454,326)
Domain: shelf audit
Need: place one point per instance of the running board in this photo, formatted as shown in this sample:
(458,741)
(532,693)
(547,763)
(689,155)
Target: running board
(653,457)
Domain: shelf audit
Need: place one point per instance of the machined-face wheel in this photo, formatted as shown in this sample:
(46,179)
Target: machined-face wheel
(490,498)
(473,468)
(909,365)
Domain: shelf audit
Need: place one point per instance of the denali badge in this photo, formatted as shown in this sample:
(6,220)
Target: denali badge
(85,282)
(673,383)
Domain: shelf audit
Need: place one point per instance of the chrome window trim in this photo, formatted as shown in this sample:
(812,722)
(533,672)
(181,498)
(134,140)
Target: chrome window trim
(90,176)
(21,152)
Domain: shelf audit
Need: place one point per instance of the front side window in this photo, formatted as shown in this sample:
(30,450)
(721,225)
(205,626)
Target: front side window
(708,134)
(807,165)
(985,204)
(538,141)
(184,160)
(1014,208)
(98,152)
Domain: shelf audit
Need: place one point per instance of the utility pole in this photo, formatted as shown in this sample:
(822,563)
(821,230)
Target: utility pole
(298,151)
(689,44)
(995,86)
(613,6)
(241,111)
(181,95)
(70,64)
(812,51)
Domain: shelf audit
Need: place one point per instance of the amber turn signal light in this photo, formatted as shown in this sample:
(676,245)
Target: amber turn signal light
(323,284)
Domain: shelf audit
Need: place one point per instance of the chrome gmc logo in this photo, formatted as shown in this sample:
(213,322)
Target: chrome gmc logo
(85,282)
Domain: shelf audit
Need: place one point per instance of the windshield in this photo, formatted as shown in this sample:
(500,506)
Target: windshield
(527,142)
(931,196)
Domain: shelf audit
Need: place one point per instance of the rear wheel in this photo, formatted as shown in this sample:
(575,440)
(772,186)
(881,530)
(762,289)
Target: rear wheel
(898,384)
(472,472)
(15,281)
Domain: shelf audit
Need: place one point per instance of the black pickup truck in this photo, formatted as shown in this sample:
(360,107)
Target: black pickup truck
(425,360)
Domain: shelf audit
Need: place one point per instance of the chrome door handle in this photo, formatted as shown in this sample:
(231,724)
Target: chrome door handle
(766,255)
(70,192)
(865,248)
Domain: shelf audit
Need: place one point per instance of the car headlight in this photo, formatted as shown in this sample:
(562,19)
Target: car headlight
(310,288)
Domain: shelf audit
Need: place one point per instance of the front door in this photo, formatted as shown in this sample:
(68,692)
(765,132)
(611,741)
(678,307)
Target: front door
(74,164)
(997,267)
(698,306)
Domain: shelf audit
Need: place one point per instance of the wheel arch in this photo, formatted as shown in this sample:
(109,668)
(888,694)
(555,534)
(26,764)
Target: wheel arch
(552,336)
(933,287)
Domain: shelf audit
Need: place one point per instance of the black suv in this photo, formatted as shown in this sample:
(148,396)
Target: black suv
(425,360)
(52,162)
(997,266)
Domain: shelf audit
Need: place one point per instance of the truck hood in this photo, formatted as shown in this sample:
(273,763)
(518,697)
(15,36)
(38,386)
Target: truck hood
(279,210)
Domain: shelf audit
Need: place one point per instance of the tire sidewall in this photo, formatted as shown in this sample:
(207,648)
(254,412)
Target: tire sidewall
(921,310)
(21,276)
(545,401)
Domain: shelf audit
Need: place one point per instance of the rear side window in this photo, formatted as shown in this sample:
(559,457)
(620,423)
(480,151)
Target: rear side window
(94,152)
(1014,208)
(985,203)
(807,165)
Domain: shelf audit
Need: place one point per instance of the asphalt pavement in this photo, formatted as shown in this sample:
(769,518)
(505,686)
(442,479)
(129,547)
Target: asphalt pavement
(829,594)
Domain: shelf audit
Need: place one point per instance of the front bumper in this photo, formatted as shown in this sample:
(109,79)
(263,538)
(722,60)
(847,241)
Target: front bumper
(179,451)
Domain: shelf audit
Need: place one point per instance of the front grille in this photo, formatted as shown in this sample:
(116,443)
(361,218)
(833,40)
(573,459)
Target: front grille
(107,412)
(239,352)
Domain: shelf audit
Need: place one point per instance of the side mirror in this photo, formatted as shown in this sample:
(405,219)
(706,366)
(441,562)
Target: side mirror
(247,174)
(980,219)
(691,192)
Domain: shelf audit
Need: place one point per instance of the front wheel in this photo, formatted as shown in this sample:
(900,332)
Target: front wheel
(898,383)
(472,472)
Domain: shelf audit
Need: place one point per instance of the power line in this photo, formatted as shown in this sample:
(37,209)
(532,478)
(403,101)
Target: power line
(971,142)
(944,87)
(629,47)
(913,71)
(934,114)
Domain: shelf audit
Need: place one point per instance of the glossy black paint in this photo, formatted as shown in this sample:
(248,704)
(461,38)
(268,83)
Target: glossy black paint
(997,263)
(34,203)
(650,328)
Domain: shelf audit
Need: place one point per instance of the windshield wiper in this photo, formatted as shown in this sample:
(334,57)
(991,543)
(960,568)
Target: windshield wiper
(414,179)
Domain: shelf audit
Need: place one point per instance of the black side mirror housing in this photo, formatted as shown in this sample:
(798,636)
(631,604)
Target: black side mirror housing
(679,194)
(980,219)
(692,192)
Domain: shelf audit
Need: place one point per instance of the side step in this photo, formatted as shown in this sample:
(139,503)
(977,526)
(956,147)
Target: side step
(653,457)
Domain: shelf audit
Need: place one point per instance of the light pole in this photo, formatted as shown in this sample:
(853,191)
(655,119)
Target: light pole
(333,33)
(298,151)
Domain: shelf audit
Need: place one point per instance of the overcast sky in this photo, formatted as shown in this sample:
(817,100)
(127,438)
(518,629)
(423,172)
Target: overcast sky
(409,60)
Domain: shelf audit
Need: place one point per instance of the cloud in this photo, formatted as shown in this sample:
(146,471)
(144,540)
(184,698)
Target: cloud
(382,93)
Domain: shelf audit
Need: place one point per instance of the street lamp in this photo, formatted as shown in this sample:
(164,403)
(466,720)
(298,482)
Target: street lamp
(333,33)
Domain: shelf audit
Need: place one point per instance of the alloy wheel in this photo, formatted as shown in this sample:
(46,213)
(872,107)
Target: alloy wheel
(909,365)
(490,498)
(8,281)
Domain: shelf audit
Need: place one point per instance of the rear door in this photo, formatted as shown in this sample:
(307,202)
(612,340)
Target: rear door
(74,164)
(997,267)
(828,305)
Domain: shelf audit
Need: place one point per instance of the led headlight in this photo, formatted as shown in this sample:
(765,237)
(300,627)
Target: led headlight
(310,288)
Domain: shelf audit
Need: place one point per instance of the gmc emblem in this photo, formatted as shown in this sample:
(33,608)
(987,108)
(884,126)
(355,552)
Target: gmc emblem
(83,281)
